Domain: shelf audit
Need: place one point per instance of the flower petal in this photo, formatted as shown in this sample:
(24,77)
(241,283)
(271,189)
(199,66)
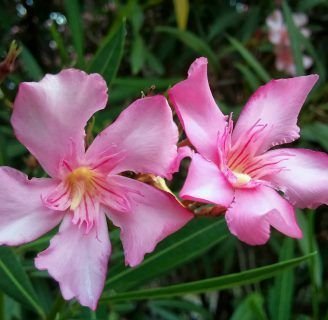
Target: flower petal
(206,183)
(154,215)
(144,134)
(254,210)
(78,260)
(304,178)
(274,107)
(49,116)
(197,110)
(23,217)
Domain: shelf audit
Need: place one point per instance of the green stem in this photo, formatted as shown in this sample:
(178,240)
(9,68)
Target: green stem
(312,262)
(2,306)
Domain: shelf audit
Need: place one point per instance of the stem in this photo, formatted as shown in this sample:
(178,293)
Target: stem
(312,262)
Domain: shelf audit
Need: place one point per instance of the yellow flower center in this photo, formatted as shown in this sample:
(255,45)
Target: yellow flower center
(242,178)
(80,181)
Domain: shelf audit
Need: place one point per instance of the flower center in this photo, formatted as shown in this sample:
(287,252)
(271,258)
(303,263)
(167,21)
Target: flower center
(242,178)
(80,181)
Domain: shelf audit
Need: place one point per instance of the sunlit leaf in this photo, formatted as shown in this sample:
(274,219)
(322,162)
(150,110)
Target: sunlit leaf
(211,284)
(181,8)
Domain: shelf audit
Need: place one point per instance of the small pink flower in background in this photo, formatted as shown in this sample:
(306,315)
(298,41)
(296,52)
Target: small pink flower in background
(85,185)
(278,36)
(235,168)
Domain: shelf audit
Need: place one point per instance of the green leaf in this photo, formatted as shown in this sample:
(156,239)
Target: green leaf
(108,57)
(294,39)
(250,309)
(250,59)
(57,37)
(138,54)
(249,76)
(193,42)
(316,132)
(282,291)
(72,8)
(14,281)
(30,65)
(186,244)
(211,284)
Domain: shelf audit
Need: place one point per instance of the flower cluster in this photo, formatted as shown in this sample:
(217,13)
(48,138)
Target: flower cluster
(232,168)
(278,36)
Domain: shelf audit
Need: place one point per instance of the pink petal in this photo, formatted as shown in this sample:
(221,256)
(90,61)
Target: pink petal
(304,178)
(49,116)
(154,215)
(78,261)
(197,110)
(23,217)
(206,183)
(144,134)
(275,106)
(254,210)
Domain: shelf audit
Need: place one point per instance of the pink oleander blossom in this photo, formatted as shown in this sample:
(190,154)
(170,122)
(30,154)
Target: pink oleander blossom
(235,168)
(85,185)
(278,36)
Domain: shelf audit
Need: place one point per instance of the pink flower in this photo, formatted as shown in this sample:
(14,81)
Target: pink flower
(236,170)
(85,185)
(278,36)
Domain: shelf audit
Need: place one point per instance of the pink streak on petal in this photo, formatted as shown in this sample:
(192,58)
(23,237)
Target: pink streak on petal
(154,215)
(23,217)
(49,116)
(275,105)
(205,182)
(58,198)
(304,179)
(254,210)
(144,133)
(78,261)
(197,110)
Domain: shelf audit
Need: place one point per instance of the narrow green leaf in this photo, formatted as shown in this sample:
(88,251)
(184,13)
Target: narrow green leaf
(14,281)
(250,308)
(294,39)
(218,283)
(188,243)
(250,59)
(249,76)
(108,57)
(30,65)
(282,291)
(57,37)
(72,8)
(192,41)
(138,54)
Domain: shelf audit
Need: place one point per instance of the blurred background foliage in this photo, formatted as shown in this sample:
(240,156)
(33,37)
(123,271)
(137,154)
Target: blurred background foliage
(144,47)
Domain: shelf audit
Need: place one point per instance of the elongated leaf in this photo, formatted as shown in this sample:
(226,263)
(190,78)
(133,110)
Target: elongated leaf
(217,283)
(108,57)
(282,291)
(249,76)
(30,65)
(72,8)
(181,8)
(185,245)
(138,54)
(193,42)
(250,59)
(14,281)
(250,309)
(294,39)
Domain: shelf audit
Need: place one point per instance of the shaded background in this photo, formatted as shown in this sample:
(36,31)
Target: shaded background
(144,47)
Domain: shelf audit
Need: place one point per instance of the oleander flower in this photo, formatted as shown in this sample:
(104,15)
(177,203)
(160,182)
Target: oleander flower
(85,185)
(235,168)
(278,36)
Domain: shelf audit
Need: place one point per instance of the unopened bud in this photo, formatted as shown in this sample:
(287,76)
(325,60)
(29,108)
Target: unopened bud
(8,64)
